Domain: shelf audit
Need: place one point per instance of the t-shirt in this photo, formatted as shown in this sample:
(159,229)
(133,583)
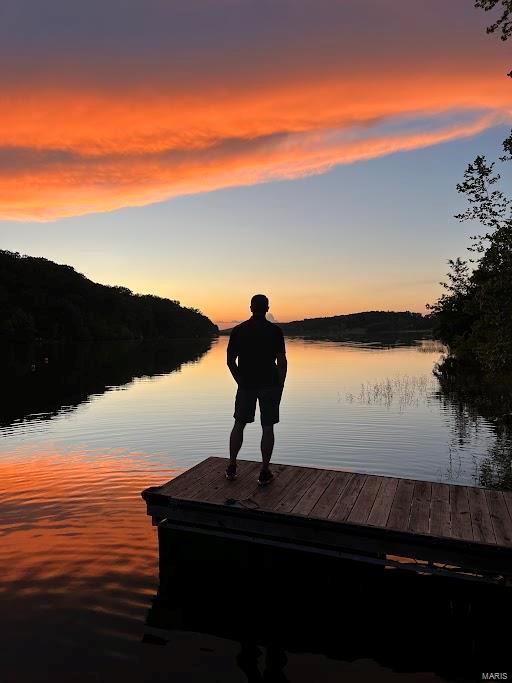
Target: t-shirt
(257,342)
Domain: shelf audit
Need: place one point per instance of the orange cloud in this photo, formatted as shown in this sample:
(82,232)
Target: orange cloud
(68,151)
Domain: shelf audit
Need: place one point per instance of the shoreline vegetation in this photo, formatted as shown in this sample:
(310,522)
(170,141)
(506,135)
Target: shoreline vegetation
(42,301)
(357,326)
(474,315)
(474,320)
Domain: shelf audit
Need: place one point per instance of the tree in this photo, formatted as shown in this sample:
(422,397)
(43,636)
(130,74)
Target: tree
(475,314)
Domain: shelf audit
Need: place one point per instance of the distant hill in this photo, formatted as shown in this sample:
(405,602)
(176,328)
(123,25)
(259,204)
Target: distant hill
(42,300)
(353,325)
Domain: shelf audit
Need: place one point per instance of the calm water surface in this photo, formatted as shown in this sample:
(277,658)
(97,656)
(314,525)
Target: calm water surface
(80,440)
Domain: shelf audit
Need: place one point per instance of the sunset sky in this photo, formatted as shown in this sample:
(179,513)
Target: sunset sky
(209,149)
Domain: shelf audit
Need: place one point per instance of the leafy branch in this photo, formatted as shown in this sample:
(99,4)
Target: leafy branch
(504,23)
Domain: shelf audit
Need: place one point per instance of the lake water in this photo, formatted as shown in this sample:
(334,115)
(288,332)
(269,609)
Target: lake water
(82,433)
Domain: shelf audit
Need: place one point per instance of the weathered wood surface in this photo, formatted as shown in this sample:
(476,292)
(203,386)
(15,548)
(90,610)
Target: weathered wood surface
(376,507)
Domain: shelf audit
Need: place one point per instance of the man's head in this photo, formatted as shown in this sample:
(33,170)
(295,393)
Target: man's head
(259,305)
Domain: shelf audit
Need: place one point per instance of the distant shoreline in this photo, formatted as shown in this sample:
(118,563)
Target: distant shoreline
(425,334)
(367,324)
(355,335)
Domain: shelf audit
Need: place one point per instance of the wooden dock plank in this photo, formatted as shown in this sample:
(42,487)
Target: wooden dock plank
(296,491)
(266,497)
(440,510)
(187,479)
(401,507)
(194,490)
(365,500)
(222,489)
(500,517)
(461,516)
(313,494)
(483,530)
(243,493)
(419,521)
(379,513)
(343,506)
(328,498)
(507,495)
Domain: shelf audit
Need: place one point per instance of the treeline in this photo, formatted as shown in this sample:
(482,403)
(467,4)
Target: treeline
(365,324)
(42,300)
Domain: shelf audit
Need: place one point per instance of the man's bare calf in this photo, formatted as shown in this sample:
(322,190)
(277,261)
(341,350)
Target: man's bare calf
(236,440)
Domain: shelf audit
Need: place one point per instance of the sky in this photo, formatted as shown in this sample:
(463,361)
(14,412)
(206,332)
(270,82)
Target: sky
(206,150)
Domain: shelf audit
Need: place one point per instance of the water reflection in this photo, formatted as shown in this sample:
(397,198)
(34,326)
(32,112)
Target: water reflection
(293,617)
(78,564)
(39,382)
(476,402)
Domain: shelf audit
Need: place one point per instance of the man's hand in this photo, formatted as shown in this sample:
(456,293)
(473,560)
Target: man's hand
(233,367)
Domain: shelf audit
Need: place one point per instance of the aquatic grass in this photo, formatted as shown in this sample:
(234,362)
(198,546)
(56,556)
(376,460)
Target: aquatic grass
(431,346)
(401,391)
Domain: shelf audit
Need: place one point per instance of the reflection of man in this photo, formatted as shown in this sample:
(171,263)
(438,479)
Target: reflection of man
(260,373)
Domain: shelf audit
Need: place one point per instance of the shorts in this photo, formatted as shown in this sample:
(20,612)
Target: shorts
(269,399)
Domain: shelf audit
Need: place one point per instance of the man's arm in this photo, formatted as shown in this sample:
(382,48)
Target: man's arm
(282,367)
(232,354)
(232,365)
(282,363)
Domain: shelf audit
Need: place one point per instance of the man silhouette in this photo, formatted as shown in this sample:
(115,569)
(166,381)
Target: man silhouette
(260,373)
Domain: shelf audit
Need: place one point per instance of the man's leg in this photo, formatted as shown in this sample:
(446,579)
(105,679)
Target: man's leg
(269,408)
(235,444)
(245,407)
(236,440)
(267,445)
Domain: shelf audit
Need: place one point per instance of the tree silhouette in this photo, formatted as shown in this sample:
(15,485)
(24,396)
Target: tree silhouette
(475,313)
(42,300)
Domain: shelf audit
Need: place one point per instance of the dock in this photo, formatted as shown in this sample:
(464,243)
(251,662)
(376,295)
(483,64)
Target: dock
(427,526)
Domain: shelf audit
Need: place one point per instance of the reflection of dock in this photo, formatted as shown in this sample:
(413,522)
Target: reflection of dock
(362,517)
(223,605)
